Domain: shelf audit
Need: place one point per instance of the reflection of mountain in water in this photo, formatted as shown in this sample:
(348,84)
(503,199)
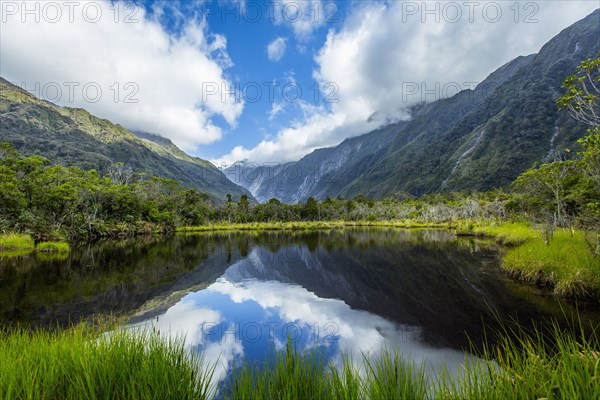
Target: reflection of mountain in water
(430,279)
(422,278)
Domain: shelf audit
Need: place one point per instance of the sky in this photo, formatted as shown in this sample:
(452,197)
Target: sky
(265,81)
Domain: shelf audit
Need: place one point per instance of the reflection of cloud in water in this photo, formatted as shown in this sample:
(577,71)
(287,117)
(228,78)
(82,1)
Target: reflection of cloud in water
(186,320)
(331,322)
(356,331)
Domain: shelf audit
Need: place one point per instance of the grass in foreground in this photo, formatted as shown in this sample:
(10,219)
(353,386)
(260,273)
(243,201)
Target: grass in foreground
(81,364)
(539,364)
(524,368)
(76,364)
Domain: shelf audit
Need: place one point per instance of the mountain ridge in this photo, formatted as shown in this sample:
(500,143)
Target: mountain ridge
(73,136)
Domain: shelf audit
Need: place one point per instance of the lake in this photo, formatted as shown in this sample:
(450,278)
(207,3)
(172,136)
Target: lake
(243,295)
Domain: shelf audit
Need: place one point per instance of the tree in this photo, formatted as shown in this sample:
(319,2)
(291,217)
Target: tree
(583,93)
(120,173)
(12,200)
(229,207)
(590,157)
(583,102)
(549,184)
(310,212)
(243,208)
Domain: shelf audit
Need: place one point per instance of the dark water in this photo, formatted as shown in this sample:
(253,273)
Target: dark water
(241,295)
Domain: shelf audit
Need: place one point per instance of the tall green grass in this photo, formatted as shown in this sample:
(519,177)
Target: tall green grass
(49,247)
(294,374)
(510,234)
(540,363)
(561,260)
(565,264)
(551,363)
(544,363)
(16,241)
(81,364)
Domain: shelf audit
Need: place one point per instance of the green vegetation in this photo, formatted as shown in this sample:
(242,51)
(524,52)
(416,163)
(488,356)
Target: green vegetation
(54,201)
(16,241)
(16,244)
(307,225)
(73,137)
(509,234)
(565,264)
(554,363)
(526,367)
(561,260)
(296,375)
(80,363)
(49,247)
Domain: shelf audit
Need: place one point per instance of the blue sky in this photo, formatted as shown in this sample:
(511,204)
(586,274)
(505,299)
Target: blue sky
(165,66)
(247,42)
(262,80)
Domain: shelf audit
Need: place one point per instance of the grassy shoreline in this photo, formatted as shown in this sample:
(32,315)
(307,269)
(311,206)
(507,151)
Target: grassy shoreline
(19,244)
(565,264)
(309,225)
(84,363)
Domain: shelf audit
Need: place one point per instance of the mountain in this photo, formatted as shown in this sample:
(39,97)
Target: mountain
(493,139)
(72,136)
(317,174)
(477,139)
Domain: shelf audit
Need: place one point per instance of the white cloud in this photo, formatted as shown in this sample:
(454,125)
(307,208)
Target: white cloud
(169,72)
(276,49)
(276,109)
(304,16)
(357,332)
(383,49)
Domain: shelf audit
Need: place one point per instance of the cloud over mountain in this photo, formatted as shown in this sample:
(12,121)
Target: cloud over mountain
(120,63)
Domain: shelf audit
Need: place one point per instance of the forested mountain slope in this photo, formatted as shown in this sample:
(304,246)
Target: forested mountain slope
(72,136)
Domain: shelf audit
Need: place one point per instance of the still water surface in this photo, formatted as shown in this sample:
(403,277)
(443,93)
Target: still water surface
(238,296)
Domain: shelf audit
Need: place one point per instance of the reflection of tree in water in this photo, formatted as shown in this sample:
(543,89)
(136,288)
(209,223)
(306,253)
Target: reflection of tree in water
(106,277)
